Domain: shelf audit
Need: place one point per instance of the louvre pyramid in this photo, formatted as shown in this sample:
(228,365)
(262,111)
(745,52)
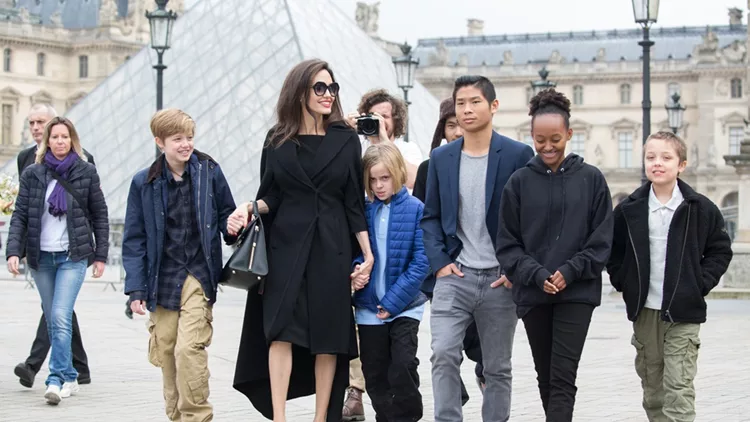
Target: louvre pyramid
(225,68)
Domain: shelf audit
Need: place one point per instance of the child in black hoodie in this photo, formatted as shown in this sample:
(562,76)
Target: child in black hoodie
(554,239)
(670,250)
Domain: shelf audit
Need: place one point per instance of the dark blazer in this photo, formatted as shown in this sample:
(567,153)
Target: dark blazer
(440,220)
(145,225)
(309,228)
(698,254)
(26,222)
(27,157)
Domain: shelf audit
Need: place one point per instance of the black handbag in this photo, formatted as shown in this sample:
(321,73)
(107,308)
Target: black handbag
(248,265)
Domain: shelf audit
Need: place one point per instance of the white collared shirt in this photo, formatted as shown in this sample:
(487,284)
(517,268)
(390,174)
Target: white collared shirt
(659,218)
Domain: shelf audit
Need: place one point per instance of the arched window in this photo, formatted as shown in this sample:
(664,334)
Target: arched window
(625,94)
(578,95)
(736,88)
(672,88)
(40,61)
(729,211)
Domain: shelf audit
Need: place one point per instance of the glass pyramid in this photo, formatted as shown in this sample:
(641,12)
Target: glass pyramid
(225,69)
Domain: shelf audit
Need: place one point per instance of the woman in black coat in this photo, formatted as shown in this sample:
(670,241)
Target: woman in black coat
(61,221)
(312,196)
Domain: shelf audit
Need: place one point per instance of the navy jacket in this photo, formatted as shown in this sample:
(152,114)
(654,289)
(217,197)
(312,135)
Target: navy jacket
(555,221)
(440,220)
(407,264)
(143,239)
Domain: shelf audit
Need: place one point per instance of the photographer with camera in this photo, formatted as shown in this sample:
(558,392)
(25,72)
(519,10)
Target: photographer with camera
(381,117)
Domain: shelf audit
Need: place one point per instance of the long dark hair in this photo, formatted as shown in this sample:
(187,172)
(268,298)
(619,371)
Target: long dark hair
(294,95)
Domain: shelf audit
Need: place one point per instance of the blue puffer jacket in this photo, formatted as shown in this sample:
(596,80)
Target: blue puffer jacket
(407,263)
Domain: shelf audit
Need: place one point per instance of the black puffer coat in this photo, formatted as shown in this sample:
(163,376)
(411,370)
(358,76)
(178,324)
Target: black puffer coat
(26,222)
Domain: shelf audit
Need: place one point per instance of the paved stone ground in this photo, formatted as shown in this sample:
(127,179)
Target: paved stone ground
(126,388)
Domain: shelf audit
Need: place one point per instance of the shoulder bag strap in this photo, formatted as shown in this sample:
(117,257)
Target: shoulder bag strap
(71,190)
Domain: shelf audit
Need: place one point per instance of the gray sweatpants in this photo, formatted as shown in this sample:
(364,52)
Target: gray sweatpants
(456,302)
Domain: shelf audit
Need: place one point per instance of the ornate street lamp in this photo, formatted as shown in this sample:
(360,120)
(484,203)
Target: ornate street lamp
(160,21)
(543,83)
(674,113)
(645,13)
(406,67)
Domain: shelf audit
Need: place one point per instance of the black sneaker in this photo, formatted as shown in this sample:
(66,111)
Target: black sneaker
(25,374)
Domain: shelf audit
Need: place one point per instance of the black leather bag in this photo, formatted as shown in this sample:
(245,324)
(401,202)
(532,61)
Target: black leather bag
(248,265)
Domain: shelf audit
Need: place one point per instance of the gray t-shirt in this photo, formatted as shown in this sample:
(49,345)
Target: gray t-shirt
(478,251)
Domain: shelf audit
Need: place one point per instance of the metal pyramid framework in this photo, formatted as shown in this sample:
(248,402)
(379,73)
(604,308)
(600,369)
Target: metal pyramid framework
(226,67)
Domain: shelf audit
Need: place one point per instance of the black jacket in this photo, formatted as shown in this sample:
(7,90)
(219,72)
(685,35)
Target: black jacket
(420,183)
(28,156)
(552,221)
(698,253)
(26,222)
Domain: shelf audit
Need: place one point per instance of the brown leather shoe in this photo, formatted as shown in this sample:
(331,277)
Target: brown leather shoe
(353,409)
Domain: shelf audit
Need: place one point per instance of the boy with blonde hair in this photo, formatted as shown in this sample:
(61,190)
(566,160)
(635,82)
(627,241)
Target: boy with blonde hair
(172,258)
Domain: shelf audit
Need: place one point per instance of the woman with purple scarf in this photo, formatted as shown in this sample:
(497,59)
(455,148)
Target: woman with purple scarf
(61,220)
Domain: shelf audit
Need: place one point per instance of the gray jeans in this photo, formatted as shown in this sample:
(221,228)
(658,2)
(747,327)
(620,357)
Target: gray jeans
(456,302)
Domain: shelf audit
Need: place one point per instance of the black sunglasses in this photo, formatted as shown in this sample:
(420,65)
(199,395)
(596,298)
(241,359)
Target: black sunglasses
(320,88)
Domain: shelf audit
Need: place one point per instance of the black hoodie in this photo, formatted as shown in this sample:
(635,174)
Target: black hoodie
(552,221)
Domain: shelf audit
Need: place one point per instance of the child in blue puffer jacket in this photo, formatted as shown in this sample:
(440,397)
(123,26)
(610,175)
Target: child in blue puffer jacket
(389,306)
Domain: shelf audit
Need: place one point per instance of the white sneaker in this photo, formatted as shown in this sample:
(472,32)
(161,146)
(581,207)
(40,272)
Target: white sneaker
(53,395)
(69,388)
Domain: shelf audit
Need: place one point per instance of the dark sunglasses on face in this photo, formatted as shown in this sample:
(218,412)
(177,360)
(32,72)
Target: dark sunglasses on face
(320,88)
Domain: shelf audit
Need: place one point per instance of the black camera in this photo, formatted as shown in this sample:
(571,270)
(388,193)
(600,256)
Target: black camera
(368,125)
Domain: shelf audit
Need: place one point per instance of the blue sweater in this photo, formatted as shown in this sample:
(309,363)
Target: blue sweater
(407,264)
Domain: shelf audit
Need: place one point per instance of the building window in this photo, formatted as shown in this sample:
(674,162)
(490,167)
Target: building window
(736,88)
(729,211)
(578,95)
(625,148)
(578,143)
(672,88)
(83,67)
(7,55)
(40,59)
(7,124)
(625,94)
(736,134)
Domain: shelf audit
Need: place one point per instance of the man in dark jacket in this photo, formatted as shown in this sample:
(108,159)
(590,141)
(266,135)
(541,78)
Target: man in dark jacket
(26,371)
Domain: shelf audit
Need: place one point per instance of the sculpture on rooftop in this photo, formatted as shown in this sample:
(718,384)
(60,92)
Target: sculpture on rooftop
(367,16)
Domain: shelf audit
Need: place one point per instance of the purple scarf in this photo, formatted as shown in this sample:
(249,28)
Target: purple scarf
(58,205)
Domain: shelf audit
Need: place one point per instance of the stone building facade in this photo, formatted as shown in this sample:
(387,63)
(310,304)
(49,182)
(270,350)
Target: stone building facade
(57,51)
(601,72)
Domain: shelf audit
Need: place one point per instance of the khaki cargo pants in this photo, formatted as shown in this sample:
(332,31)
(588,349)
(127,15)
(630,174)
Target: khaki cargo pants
(356,377)
(178,346)
(667,362)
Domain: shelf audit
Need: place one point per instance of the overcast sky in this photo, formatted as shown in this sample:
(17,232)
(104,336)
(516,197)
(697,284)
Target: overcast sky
(413,19)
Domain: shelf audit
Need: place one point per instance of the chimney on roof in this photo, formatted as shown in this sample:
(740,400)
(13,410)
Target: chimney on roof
(735,17)
(475,27)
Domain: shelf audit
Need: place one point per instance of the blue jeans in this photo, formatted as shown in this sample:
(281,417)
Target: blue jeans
(58,281)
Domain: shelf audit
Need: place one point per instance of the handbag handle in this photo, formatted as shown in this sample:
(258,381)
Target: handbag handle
(256,214)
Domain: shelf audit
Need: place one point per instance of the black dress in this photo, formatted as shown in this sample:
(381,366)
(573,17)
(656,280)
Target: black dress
(297,330)
(315,195)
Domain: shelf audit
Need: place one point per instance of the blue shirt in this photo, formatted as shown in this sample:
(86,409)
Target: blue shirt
(365,316)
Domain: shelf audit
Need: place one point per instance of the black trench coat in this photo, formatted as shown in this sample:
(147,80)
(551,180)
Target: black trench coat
(310,230)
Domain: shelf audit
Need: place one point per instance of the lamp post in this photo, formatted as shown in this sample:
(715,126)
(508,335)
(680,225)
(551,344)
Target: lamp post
(674,113)
(543,83)
(645,13)
(160,21)
(406,67)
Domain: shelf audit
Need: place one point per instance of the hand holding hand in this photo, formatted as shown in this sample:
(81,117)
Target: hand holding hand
(502,281)
(239,218)
(138,307)
(550,288)
(359,280)
(448,270)
(558,280)
(382,313)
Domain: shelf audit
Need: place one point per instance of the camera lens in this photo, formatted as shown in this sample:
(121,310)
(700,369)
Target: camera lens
(368,126)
